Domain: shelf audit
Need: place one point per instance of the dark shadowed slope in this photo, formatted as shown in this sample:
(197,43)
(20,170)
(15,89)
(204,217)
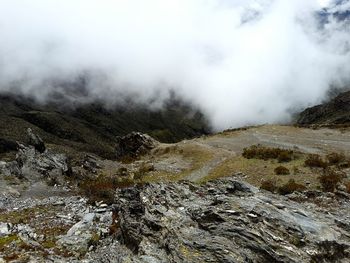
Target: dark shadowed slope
(93,128)
(334,112)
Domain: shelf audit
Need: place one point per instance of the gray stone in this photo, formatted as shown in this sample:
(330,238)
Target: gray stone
(226,221)
(4,229)
(134,145)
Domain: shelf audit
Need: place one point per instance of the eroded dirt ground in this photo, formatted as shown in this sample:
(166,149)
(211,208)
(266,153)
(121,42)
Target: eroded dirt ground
(220,155)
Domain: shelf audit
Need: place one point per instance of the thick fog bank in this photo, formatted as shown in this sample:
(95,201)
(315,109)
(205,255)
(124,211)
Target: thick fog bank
(240,61)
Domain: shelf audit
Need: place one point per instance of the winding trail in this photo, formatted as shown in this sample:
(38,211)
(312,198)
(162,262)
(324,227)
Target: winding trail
(230,144)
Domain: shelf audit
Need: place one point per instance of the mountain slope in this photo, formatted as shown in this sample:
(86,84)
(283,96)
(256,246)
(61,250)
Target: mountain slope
(92,127)
(334,112)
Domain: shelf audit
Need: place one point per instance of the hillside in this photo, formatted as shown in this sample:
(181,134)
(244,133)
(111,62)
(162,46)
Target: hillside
(216,198)
(92,127)
(334,112)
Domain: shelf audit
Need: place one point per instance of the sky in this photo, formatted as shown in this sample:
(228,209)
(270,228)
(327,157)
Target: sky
(241,62)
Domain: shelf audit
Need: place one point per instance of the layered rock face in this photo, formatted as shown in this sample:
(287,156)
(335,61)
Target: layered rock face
(225,221)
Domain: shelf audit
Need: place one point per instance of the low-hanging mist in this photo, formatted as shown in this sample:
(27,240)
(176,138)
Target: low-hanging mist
(240,61)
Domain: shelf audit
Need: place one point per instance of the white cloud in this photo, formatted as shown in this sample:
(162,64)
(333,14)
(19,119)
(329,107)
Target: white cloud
(241,62)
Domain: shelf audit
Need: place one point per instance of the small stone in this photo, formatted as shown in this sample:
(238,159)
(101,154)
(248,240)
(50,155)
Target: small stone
(280,206)
(59,203)
(4,229)
(252,215)
(233,212)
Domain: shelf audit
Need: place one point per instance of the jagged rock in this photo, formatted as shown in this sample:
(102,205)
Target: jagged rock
(90,163)
(226,221)
(86,232)
(10,168)
(36,141)
(134,145)
(49,164)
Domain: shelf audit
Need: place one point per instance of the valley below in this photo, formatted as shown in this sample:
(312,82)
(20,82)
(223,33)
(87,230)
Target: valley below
(215,198)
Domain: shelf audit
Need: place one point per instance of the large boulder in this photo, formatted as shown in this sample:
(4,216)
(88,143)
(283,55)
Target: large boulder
(48,163)
(134,145)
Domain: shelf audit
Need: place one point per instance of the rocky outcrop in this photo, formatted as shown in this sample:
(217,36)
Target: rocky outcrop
(226,221)
(134,145)
(35,161)
(32,162)
(334,112)
(36,141)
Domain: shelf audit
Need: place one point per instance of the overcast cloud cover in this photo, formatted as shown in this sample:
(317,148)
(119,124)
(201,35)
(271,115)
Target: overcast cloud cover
(241,61)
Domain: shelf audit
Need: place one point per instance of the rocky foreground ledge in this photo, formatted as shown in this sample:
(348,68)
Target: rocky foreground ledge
(224,220)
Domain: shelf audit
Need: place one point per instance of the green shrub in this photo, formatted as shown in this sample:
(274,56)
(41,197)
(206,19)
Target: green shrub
(315,160)
(281,170)
(290,187)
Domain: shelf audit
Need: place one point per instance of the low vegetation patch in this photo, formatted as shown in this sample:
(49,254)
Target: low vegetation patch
(266,153)
(103,188)
(281,170)
(290,187)
(335,158)
(330,178)
(315,160)
(269,185)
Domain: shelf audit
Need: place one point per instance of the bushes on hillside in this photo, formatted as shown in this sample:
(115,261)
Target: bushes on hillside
(265,153)
(315,160)
(281,170)
(335,158)
(269,185)
(103,188)
(290,187)
(330,178)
